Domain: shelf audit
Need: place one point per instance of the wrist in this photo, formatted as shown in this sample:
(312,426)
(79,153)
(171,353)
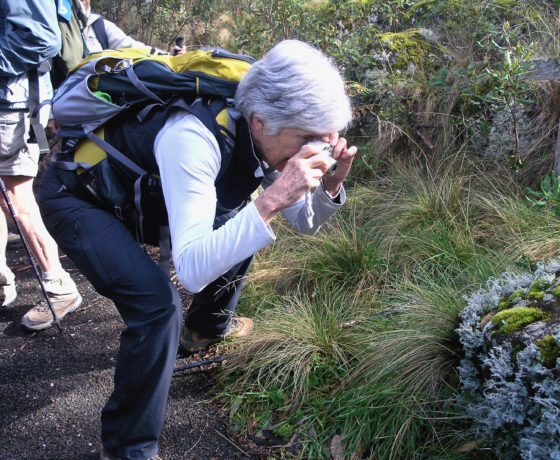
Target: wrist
(331,187)
(266,207)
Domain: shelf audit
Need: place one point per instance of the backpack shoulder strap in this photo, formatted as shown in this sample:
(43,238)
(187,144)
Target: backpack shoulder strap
(34,109)
(100,32)
(210,113)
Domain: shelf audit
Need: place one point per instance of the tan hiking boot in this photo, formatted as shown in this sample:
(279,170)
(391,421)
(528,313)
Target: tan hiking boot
(64,297)
(239,327)
(192,342)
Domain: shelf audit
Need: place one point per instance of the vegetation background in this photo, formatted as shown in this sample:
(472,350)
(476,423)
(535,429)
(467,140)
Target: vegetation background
(355,352)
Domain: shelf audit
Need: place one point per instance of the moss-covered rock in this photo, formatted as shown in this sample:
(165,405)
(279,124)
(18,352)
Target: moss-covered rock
(549,349)
(510,300)
(537,289)
(513,319)
(410,50)
(510,333)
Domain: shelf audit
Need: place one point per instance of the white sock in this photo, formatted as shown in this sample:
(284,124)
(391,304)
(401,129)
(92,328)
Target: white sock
(51,275)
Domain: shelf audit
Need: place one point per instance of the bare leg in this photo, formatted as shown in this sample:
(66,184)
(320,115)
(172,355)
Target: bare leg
(42,245)
(3,241)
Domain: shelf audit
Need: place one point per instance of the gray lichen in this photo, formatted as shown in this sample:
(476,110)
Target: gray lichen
(513,399)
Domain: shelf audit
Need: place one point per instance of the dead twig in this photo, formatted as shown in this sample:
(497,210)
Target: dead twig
(231,442)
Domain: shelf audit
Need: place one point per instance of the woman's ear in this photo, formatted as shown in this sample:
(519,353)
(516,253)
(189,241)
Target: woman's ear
(256,124)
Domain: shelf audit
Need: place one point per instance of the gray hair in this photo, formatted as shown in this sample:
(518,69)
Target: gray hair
(295,86)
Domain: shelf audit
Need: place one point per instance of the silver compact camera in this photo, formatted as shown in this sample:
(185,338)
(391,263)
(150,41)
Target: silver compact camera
(325,148)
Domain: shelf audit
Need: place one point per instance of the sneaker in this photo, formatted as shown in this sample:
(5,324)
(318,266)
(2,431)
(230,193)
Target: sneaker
(64,297)
(193,342)
(7,288)
(7,294)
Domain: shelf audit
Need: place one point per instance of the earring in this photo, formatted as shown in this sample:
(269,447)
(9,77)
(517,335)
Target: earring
(259,132)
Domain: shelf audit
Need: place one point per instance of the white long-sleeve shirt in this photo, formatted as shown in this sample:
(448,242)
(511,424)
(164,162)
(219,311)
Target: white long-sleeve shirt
(115,36)
(189,161)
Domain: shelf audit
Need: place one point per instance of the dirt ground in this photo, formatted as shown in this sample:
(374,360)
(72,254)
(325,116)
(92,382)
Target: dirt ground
(53,387)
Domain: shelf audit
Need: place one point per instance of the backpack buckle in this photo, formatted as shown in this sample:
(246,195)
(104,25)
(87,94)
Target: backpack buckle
(121,66)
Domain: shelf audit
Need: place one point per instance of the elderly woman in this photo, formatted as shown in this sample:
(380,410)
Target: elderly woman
(293,96)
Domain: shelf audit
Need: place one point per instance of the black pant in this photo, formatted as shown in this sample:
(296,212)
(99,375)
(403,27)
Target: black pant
(107,254)
(105,251)
(213,307)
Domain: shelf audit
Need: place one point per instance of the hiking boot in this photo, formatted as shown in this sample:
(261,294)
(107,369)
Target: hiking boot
(239,327)
(64,297)
(7,288)
(193,342)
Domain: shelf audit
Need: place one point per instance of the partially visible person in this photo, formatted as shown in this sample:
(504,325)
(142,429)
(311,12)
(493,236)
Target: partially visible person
(29,38)
(292,96)
(83,33)
(8,291)
(178,47)
(100,33)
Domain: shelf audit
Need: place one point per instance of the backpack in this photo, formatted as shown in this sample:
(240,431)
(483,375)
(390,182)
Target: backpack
(111,108)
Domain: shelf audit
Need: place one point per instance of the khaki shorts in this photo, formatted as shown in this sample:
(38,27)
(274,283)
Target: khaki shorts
(17,158)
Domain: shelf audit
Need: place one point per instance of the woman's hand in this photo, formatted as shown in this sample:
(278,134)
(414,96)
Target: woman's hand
(301,174)
(344,156)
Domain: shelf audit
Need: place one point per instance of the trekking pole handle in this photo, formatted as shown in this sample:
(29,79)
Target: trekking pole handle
(34,264)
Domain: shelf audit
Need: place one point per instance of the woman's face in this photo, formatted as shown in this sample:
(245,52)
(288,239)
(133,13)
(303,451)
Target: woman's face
(277,149)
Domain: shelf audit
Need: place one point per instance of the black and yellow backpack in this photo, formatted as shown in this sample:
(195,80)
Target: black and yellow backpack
(113,104)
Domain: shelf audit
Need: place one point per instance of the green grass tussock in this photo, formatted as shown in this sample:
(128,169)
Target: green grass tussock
(360,338)
(298,333)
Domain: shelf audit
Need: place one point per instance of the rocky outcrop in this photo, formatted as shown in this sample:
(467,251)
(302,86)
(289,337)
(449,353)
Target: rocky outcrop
(510,333)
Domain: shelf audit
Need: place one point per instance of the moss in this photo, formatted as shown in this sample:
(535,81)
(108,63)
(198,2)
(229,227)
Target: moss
(508,301)
(556,291)
(409,47)
(539,285)
(508,321)
(285,430)
(426,4)
(509,4)
(537,288)
(515,350)
(536,295)
(549,349)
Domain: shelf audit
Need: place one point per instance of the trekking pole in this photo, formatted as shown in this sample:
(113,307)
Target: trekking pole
(56,320)
(217,359)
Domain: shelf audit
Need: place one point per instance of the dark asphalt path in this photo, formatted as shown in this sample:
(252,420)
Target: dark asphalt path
(52,387)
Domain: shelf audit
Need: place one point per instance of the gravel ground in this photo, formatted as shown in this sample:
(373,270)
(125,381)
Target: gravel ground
(53,387)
